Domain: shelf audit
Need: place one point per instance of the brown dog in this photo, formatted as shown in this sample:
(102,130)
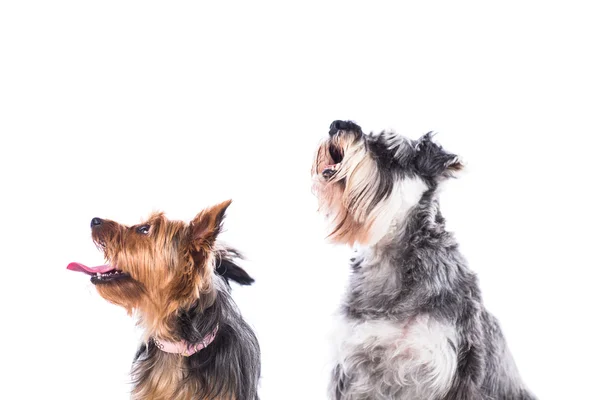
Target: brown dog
(175,277)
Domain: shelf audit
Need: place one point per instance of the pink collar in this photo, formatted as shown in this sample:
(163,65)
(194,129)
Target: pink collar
(184,348)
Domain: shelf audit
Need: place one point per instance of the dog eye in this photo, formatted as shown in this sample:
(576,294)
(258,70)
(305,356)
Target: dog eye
(143,230)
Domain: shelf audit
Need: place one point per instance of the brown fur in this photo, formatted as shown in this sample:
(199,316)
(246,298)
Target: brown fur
(170,268)
(162,380)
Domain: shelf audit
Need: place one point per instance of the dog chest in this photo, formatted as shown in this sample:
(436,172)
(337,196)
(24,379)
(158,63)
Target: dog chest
(415,356)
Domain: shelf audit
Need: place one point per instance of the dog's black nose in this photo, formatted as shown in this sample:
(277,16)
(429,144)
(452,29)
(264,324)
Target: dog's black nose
(344,126)
(96,222)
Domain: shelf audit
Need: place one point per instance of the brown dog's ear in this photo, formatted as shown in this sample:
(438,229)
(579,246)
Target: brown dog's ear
(205,228)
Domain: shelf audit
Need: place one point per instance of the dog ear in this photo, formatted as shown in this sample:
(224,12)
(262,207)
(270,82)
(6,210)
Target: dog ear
(206,226)
(228,268)
(432,161)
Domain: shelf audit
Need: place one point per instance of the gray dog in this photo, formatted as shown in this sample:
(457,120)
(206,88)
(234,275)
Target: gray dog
(412,325)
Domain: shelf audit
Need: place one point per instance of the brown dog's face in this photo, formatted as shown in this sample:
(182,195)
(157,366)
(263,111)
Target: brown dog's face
(158,266)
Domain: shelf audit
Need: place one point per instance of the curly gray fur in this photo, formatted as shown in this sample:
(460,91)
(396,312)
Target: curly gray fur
(413,324)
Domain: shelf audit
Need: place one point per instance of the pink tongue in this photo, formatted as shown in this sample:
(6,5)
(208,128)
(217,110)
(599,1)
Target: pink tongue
(90,271)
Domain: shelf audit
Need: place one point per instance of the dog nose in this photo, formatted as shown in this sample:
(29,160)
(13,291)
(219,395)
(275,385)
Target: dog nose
(96,222)
(335,127)
(338,125)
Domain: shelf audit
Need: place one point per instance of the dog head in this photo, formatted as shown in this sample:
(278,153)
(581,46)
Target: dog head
(363,182)
(160,266)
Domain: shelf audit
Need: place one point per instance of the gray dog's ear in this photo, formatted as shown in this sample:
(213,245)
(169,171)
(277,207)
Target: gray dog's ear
(432,161)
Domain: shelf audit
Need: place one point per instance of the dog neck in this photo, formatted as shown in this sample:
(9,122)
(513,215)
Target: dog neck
(183,347)
(423,218)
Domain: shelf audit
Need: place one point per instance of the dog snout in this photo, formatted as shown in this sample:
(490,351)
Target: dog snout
(96,222)
(335,127)
(348,126)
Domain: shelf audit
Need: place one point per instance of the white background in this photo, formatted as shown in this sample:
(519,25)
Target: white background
(118,108)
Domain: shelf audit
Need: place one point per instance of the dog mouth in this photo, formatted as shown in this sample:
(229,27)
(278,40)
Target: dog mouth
(101,274)
(336,156)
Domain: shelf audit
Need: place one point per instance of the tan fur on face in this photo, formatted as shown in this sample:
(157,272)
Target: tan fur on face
(346,196)
(171,267)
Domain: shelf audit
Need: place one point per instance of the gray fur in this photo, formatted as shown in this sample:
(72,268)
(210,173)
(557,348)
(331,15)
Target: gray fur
(416,326)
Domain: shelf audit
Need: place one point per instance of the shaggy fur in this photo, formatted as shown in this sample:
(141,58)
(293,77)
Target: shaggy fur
(175,277)
(412,325)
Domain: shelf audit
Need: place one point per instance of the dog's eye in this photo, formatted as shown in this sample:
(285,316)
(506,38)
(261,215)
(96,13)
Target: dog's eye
(143,230)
